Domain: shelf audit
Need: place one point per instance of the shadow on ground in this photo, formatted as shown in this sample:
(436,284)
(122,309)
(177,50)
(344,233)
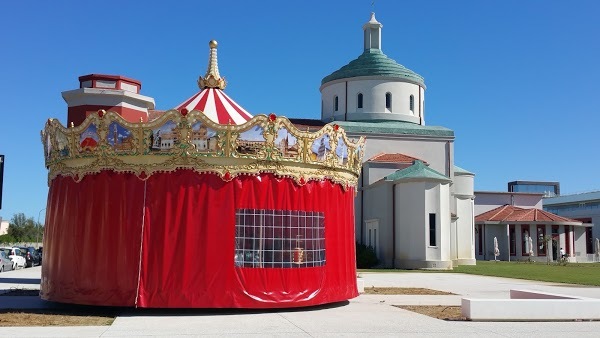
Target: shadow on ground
(48,307)
(20,280)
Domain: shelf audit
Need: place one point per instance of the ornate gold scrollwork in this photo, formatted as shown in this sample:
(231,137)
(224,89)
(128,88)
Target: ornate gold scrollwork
(272,144)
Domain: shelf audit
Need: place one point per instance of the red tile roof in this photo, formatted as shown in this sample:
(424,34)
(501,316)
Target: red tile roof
(510,213)
(393,158)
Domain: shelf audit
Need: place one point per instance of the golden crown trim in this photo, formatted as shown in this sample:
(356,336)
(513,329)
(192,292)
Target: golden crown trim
(265,144)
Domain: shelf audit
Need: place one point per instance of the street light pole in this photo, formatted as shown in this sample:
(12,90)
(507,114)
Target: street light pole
(37,233)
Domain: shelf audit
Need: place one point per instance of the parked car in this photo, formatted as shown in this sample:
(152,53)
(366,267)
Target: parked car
(32,258)
(15,256)
(39,250)
(5,263)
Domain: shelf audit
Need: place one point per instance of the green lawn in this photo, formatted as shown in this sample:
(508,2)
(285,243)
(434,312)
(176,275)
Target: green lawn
(584,274)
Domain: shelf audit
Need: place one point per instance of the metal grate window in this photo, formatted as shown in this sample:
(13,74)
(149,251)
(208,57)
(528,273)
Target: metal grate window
(266,238)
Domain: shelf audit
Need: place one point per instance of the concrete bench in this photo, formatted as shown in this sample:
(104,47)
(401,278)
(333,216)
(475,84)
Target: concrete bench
(528,305)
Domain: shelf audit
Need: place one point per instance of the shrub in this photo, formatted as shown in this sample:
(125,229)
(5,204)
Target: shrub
(365,257)
(5,239)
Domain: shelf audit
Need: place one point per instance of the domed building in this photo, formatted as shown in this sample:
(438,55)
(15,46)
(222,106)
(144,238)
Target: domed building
(414,205)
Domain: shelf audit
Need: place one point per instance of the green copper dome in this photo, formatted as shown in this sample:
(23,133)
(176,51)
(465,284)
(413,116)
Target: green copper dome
(374,63)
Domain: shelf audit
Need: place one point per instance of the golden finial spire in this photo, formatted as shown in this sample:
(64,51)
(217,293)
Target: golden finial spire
(212,79)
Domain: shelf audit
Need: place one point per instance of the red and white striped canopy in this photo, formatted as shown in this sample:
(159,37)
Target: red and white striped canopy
(217,106)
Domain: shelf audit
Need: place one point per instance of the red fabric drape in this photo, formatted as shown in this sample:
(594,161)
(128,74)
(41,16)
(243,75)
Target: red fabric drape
(188,242)
(92,239)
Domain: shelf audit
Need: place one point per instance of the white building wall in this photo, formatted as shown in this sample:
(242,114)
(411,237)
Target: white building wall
(414,202)
(327,101)
(580,245)
(437,201)
(463,239)
(464,184)
(378,206)
(433,151)
(465,231)
(500,233)
(422,107)
(3,227)
(486,201)
(411,236)
(374,174)
(373,89)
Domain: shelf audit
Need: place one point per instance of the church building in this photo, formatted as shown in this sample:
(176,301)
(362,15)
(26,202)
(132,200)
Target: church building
(414,205)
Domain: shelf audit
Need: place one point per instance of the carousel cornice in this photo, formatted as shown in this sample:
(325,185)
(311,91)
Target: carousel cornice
(181,140)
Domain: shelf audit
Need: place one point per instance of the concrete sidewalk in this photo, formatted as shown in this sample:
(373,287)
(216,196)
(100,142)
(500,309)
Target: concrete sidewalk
(367,315)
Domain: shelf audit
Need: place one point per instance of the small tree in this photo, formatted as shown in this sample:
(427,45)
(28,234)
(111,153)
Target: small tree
(7,239)
(365,256)
(24,229)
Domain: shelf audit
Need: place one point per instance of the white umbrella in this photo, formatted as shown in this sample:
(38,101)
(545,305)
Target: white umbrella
(496,249)
(530,246)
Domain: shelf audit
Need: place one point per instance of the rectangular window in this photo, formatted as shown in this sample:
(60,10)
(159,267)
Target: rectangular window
(266,238)
(525,240)
(541,234)
(432,230)
(589,241)
(388,101)
(513,240)
(373,240)
(479,239)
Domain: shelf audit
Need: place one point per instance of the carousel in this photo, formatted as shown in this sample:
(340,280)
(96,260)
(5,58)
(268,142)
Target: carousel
(202,206)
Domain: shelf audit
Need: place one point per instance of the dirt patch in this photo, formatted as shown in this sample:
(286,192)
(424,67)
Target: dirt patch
(436,311)
(46,318)
(405,291)
(69,316)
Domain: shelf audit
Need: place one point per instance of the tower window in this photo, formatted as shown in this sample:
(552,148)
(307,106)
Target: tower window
(388,101)
(335,103)
(412,103)
(432,230)
(359,99)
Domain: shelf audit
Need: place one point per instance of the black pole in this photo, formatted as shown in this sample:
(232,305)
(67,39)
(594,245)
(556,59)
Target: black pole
(1,177)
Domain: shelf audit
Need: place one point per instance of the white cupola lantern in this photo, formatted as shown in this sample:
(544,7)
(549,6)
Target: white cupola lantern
(373,87)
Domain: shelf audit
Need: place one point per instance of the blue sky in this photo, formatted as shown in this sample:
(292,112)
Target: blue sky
(516,80)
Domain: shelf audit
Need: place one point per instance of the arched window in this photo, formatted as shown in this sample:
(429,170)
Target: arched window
(412,103)
(335,103)
(388,101)
(359,99)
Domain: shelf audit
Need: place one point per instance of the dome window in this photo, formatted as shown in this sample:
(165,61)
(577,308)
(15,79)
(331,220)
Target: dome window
(359,101)
(335,103)
(412,103)
(388,101)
